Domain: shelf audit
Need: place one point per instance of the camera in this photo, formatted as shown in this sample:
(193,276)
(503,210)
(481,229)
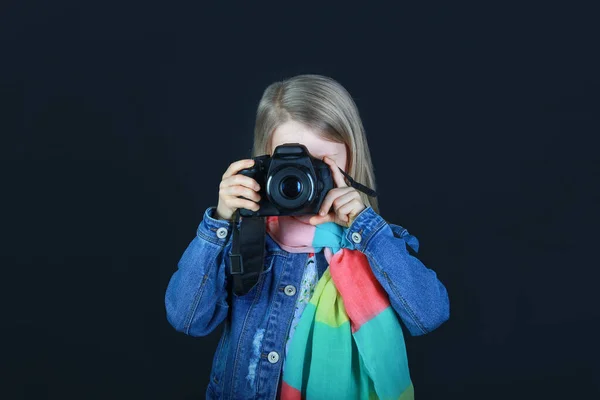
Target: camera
(292,182)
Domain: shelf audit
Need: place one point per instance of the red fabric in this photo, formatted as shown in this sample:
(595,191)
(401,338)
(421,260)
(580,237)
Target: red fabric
(356,283)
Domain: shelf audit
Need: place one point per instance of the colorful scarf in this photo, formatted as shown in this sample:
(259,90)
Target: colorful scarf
(348,343)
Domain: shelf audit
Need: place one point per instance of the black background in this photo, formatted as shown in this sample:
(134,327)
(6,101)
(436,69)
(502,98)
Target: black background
(117,120)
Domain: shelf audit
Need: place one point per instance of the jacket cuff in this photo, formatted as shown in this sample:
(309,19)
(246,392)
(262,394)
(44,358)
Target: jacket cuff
(365,225)
(217,231)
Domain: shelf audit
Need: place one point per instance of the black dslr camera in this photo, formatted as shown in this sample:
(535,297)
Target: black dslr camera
(292,182)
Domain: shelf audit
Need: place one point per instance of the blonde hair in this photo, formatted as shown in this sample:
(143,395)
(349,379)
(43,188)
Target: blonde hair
(325,106)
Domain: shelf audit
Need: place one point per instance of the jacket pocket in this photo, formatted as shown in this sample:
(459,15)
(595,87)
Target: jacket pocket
(257,288)
(220,362)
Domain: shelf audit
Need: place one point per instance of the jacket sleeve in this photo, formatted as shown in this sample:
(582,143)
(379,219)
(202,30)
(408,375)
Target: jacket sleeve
(196,296)
(415,292)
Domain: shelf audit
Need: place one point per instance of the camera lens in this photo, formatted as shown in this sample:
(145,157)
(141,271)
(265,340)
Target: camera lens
(291,187)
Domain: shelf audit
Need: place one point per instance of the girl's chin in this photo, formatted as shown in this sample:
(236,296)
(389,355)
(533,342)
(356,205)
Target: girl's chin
(303,218)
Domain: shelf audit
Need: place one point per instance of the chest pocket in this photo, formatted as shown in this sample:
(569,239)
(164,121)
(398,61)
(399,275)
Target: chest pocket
(257,288)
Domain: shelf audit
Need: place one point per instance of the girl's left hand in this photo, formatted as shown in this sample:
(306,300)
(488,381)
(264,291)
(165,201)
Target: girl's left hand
(345,200)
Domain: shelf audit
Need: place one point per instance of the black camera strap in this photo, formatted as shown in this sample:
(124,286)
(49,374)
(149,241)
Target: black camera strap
(358,186)
(248,247)
(247,252)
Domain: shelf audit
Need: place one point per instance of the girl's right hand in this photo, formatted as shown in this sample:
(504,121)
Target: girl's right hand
(233,185)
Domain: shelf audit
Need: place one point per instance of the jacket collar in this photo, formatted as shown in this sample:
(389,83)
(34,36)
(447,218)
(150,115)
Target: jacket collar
(273,247)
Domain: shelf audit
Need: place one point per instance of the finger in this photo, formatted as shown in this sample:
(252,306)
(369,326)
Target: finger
(239,190)
(238,202)
(338,178)
(349,208)
(320,219)
(330,198)
(342,201)
(343,205)
(237,166)
(242,180)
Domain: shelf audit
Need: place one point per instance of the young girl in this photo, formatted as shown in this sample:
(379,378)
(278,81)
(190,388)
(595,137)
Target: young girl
(337,282)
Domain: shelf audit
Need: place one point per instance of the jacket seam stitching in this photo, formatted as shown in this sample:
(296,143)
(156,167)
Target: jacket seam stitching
(243,333)
(270,307)
(220,243)
(400,297)
(373,233)
(225,337)
(197,297)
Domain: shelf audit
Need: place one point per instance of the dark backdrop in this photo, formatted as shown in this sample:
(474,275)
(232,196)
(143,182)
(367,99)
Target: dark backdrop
(118,119)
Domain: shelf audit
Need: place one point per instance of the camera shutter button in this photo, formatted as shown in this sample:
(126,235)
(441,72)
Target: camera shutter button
(221,233)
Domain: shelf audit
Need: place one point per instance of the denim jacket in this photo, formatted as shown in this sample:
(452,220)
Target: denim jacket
(247,363)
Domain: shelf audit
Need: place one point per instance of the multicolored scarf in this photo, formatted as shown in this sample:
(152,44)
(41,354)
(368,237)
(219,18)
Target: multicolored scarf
(349,343)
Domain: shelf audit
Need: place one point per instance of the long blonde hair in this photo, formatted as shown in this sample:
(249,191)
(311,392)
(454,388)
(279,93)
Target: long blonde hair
(325,106)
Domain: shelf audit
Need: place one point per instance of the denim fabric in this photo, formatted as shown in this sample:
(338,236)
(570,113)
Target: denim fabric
(248,360)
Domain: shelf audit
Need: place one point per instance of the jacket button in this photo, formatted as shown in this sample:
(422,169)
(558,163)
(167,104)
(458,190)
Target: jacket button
(273,357)
(290,290)
(221,233)
(356,238)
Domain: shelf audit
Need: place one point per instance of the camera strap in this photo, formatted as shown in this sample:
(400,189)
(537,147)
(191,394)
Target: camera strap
(247,252)
(248,247)
(358,186)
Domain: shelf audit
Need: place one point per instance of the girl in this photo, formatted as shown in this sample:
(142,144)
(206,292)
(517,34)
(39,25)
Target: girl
(348,343)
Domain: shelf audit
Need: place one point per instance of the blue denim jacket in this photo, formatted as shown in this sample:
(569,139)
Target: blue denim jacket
(248,360)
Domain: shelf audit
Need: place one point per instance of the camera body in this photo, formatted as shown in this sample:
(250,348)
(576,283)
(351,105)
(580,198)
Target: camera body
(292,182)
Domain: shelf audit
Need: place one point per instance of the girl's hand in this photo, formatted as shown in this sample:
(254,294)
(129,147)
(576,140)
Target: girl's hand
(345,200)
(237,191)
